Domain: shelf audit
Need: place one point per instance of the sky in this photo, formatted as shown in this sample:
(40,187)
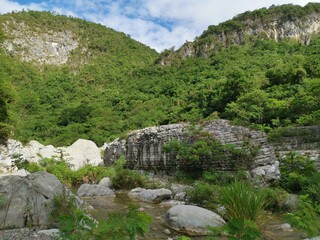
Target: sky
(160,24)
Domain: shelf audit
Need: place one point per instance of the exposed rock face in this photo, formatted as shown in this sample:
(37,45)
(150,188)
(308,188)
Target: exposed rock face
(29,199)
(143,148)
(304,141)
(151,195)
(299,29)
(47,47)
(80,153)
(192,220)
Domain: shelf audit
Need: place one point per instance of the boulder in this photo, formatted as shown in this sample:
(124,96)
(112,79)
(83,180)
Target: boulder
(192,220)
(91,190)
(151,195)
(105,182)
(81,153)
(29,199)
(20,172)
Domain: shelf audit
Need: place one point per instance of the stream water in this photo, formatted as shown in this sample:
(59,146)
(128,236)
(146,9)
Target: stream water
(102,206)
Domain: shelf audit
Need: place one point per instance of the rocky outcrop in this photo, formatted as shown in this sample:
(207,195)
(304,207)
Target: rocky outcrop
(43,47)
(143,148)
(304,141)
(80,153)
(151,195)
(300,29)
(192,220)
(29,200)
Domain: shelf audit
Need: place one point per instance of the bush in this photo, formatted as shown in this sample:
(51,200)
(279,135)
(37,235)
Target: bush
(295,171)
(92,173)
(203,194)
(275,199)
(312,188)
(306,217)
(73,223)
(223,178)
(242,201)
(61,169)
(239,229)
(125,178)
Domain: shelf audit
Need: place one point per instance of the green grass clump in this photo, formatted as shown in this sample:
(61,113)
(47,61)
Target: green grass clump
(242,201)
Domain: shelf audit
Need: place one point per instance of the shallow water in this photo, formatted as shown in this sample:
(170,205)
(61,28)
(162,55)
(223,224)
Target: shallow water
(104,205)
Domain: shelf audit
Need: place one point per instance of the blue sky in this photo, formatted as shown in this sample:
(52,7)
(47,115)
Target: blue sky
(159,24)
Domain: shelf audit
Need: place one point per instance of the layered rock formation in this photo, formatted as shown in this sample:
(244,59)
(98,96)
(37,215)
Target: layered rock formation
(143,148)
(302,140)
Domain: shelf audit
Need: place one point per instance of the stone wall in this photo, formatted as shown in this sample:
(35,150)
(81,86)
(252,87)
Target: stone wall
(143,148)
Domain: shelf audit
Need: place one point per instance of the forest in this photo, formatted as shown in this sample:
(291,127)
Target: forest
(262,84)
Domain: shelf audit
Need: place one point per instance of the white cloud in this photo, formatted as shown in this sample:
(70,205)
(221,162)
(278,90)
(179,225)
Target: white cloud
(158,23)
(9,6)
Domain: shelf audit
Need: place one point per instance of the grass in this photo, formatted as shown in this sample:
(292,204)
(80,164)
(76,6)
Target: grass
(242,201)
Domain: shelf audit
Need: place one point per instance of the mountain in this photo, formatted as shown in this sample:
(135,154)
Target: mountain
(286,22)
(63,78)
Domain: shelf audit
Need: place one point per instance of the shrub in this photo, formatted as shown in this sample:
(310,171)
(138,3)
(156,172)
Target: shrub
(242,201)
(73,223)
(275,198)
(223,178)
(203,194)
(295,171)
(29,166)
(306,217)
(237,229)
(312,188)
(61,169)
(125,178)
(93,173)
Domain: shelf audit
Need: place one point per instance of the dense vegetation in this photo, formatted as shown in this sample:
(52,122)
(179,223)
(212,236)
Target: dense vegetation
(263,83)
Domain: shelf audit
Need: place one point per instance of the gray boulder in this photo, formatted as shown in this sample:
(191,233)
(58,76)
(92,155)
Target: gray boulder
(91,190)
(151,195)
(192,220)
(29,199)
(105,182)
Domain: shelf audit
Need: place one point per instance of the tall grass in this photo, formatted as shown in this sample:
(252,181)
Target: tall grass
(242,201)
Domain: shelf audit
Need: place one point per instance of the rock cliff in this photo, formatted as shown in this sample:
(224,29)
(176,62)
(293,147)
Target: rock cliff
(243,28)
(43,47)
(143,148)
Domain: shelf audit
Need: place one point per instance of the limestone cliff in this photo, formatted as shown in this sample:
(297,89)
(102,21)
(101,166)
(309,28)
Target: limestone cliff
(277,23)
(143,148)
(43,47)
